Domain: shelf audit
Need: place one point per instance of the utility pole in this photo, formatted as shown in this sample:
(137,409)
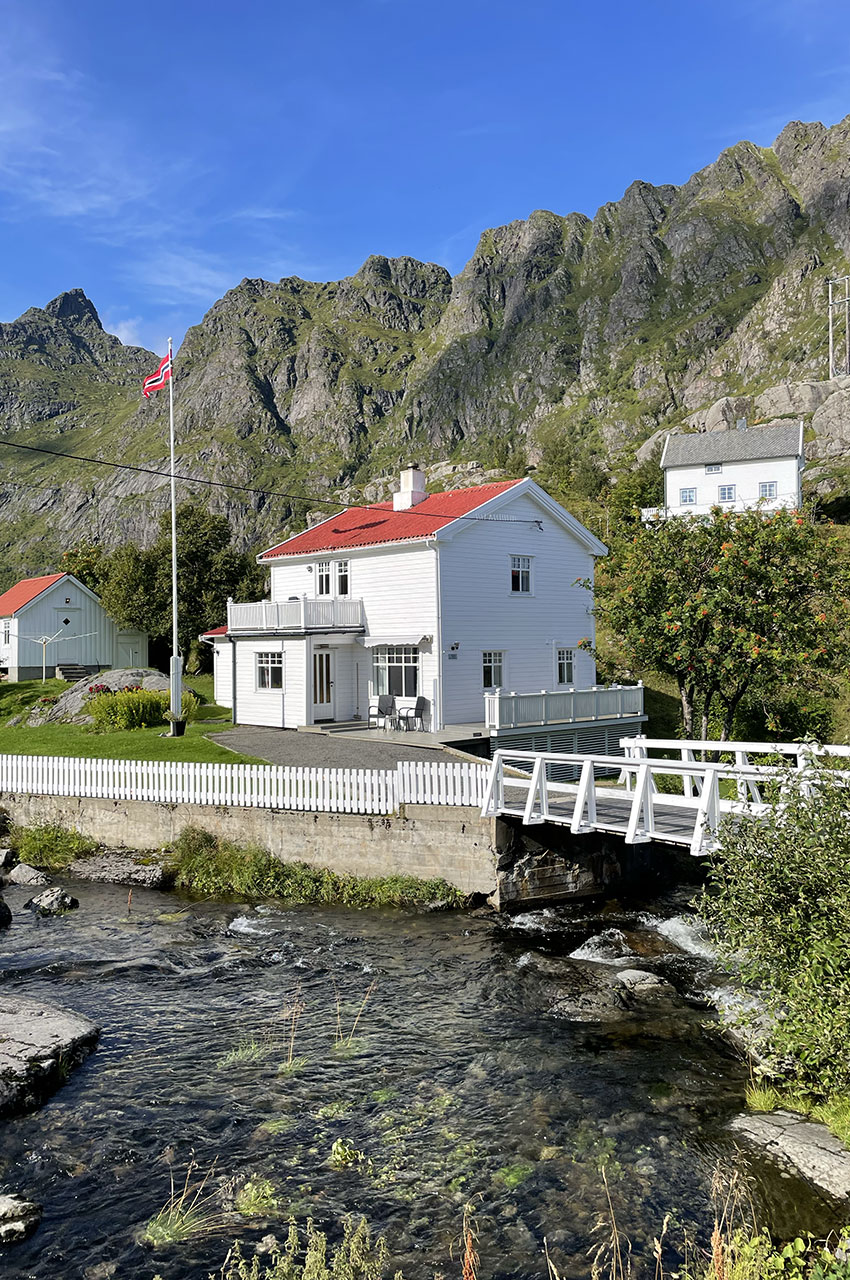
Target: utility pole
(832,303)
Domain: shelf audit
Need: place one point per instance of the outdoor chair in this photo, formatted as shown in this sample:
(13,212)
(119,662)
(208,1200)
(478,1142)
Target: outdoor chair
(408,717)
(384,710)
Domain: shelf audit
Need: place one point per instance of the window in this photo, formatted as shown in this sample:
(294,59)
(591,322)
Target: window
(342,577)
(726,493)
(521,575)
(492,668)
(323,578)
(269,670)
(395,669)
(687,497)
(767,489)
(713,468)
(565,666)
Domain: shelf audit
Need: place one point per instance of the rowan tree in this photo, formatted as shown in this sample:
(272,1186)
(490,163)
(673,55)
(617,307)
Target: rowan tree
(729,604)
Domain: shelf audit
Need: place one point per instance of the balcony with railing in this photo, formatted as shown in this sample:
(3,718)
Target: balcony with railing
(562,706)
(299,614)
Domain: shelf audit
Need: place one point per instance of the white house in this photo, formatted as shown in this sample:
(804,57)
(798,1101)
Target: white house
(749,467)
(446,597)
(55,621)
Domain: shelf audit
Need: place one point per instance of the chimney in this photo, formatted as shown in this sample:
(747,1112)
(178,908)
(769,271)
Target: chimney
(412,490)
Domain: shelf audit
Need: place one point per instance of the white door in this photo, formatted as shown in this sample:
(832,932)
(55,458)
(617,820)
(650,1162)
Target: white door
(323,685)
(128,653)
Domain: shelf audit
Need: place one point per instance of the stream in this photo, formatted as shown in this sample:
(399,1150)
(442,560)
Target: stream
(491,1062)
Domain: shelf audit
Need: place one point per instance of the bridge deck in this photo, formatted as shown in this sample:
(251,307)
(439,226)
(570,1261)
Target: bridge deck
(671,824)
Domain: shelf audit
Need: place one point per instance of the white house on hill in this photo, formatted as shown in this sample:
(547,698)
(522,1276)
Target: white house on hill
(438,597)
(54,621)
(750,467)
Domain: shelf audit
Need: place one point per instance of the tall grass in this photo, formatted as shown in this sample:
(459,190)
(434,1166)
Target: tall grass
(189,1212)
(208,865)
(50,847)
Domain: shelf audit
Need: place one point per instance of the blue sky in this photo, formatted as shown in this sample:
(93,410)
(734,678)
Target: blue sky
(155,156)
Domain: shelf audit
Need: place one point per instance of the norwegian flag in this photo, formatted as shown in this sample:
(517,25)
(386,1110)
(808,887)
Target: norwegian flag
(157,380)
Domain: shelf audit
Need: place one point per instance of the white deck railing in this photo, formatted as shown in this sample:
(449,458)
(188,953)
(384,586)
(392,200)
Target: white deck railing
(256,786)
(563,706)
(301,614)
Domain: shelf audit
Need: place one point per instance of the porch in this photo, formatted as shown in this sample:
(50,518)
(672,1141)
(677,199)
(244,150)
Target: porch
(297,615)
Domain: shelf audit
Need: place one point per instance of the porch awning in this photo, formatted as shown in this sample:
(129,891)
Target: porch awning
(372,642)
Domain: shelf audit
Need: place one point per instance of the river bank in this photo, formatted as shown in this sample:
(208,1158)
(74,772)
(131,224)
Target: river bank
(494,1058)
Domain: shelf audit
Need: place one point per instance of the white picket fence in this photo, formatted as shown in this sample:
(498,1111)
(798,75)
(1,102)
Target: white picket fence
(256,786)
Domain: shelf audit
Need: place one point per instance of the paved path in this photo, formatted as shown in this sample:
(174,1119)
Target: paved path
(321,751)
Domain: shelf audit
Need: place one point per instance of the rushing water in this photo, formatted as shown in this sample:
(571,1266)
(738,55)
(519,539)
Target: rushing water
(483,1066)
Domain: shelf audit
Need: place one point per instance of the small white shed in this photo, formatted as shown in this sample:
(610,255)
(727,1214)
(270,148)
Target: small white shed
(55,622)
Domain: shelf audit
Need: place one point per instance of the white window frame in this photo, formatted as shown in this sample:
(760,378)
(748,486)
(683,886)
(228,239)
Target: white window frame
(714,468)
(522,566)
(565,665)
(768,489)
(492,661)
(728,489)
(324,579)
(270,662)
(342,569)
(395,670)
(685,501)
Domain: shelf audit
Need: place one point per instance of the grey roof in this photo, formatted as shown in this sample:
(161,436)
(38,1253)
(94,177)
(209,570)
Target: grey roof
(732,446)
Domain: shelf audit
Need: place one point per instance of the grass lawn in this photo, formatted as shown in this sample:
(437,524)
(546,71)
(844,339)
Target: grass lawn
(127,744)
(133,744)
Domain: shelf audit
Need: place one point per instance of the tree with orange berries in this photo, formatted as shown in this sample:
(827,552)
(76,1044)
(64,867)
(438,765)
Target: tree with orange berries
(734,603)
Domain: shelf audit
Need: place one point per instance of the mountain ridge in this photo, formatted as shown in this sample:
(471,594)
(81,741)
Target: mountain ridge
(561,333)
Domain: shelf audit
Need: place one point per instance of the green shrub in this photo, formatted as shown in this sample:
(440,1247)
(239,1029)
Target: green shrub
(128,709)
(777,903)
(207,865)
(190,706)
(50,847)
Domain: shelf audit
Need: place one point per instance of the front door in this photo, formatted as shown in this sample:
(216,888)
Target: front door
(323,685)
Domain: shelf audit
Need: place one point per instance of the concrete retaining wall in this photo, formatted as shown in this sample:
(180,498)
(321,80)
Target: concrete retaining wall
(428,841)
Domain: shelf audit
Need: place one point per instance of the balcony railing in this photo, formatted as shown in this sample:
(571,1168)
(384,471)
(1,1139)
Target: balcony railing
(300,614)
(564,706)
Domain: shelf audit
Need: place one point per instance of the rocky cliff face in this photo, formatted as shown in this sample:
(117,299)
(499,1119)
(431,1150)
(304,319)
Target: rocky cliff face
(606,329)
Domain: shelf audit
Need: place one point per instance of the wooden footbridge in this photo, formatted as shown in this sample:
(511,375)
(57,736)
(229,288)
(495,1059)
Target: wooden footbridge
(648,794)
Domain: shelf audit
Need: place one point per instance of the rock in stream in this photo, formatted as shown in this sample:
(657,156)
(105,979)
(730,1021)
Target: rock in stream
(39,1044)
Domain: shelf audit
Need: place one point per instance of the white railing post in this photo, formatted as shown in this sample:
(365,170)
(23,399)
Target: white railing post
(585,800)
(640,824)
(537,790)
(303,613)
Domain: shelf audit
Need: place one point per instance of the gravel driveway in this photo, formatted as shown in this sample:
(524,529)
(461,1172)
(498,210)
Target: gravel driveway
(321,751)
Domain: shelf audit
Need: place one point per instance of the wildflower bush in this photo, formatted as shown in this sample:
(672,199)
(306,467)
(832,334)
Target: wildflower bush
(777,903)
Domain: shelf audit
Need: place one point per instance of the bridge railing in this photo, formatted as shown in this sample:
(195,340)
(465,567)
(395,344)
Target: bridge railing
(675,801)
(799,755)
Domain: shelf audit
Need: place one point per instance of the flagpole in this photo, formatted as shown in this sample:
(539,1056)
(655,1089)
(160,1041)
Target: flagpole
(176,672)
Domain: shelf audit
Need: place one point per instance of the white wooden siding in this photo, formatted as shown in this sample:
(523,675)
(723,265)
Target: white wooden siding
(223,672)
(92,639)
(479,611)
(745,476)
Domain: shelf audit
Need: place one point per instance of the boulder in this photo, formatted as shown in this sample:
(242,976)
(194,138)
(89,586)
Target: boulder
(642,983)
(39,1044)
(5,915)
(795,398)
(119,868)
(809,1148)
(24,874)
(71,705)
(18,1218)
(53,902)
(8,858)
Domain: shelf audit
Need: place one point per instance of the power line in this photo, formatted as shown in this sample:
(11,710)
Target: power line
(245,488)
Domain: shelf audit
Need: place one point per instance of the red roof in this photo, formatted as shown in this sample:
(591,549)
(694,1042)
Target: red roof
(24,591)
(216,631)
(378,523)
